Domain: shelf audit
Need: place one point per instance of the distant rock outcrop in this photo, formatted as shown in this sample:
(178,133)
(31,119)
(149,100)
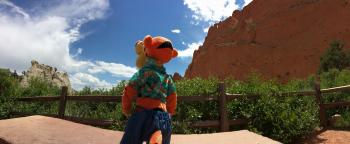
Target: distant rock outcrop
(46,72)
(177,76)
(280,39)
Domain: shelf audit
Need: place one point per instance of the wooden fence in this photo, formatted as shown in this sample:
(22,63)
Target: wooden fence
(223,123)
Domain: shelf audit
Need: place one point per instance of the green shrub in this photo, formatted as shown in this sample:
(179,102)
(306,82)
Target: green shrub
(9,87)
(188,112)
(334,67)
(116,90)
(197,86)
(40,87)
(335,78)
(5,107)
(343,122)
(99,110)
(283,118)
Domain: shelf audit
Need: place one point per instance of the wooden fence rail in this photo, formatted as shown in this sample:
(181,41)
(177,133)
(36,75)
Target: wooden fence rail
(222,123)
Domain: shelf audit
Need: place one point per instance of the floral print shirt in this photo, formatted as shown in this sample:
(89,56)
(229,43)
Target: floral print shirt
(152,81)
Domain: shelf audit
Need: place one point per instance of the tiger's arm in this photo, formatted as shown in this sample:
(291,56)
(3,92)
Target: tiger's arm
(128,94)
(172,97)
(171,103)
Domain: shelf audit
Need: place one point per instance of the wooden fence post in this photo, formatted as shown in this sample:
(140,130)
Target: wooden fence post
(62,104)
(318,94)
(224,125)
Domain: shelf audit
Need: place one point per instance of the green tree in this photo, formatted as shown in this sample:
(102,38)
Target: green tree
(335,58)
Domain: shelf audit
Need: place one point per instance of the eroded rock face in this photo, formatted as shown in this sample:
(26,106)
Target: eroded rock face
(177,76)
(46,72)
(280,39)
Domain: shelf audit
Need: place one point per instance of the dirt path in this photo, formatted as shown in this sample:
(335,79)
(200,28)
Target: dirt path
(330,137)
(46,130)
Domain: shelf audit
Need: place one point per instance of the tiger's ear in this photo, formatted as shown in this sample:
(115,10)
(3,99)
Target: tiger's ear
(139,48)
(147,41)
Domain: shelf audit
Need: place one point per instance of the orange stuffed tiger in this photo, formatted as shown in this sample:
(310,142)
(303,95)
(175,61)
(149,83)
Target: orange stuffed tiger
(154,91)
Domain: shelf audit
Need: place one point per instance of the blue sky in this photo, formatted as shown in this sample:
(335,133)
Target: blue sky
(93,40)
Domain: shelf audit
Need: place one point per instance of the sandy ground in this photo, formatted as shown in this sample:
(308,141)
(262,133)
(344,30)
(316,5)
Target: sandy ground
(46,130)
(329,137)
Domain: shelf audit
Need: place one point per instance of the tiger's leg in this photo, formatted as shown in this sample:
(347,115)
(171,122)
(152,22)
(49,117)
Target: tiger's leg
(156,137)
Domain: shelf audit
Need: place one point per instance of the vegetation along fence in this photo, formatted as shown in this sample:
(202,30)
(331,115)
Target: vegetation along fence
(223,123)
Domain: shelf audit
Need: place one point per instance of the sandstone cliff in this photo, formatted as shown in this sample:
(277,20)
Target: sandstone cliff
(280,39)
(46,72)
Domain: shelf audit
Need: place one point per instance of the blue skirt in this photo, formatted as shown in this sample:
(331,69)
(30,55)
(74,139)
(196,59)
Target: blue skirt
(143,124)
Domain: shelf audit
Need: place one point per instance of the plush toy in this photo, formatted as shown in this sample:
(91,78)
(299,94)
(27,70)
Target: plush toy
(154,91)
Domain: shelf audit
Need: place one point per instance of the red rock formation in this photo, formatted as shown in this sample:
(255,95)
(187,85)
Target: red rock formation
(177,76)
(280,39)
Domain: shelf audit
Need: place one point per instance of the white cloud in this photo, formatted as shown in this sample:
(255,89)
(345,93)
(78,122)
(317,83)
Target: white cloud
(188,52)
(211,10)
(78,11)
(46,36)
(80,80)
(117,70)
(246,2)
(183,43)
(6,5)
(43,40)
(175,31)
(205,30)
(79,51)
